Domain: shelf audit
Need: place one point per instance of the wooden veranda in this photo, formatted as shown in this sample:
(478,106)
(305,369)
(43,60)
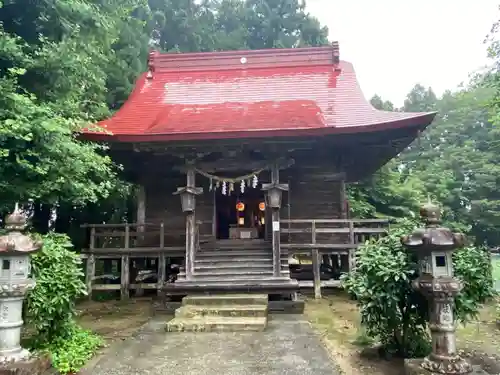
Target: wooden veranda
(118,247)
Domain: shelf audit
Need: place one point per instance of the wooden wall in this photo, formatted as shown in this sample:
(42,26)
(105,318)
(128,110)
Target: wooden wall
(315,193)
(163,206)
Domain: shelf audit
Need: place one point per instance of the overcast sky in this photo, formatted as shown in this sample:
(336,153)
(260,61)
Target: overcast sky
(395,44)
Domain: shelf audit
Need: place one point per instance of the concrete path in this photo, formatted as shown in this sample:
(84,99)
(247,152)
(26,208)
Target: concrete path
(287,347)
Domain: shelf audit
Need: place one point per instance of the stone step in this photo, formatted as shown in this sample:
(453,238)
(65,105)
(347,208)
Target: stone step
(216,324)
(233,310)
(225,299)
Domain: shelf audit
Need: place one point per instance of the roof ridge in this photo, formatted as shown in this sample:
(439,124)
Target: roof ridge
(243,59)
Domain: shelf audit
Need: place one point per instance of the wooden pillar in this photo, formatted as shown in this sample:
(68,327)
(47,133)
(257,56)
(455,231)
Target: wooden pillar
(316,273)
(214,215)
(141,208)
(125,272)
(316,264)
(90,271)
(188,200)
(276,241)
(343,200)
(275,225)
(352,251)
(190,228)
(140,219)
(162,262)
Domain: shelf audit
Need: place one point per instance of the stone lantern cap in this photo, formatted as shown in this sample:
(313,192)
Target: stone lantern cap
(432,237)
(15,242)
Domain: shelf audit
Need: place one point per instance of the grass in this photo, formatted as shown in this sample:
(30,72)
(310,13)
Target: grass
(115,319)
(336,319)
(496,267)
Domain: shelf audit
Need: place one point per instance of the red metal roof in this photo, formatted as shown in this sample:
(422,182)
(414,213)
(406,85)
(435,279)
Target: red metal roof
(237,94)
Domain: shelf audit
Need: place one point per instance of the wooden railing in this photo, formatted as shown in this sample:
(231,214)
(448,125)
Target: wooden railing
(132,241)
(139,238)
(330,235)
(319,237)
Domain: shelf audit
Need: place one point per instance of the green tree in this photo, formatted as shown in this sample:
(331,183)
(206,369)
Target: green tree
(391,310)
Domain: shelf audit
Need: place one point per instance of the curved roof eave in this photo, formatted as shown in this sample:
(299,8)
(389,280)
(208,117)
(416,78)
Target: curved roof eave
(417,123)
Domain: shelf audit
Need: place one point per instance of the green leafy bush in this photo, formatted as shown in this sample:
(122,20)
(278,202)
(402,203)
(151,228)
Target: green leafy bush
(473,266)
(51,305)
(70,355)
(391,311)
(388,305)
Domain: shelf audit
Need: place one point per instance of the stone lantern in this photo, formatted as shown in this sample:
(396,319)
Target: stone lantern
(274,192)
(15,251)
(434,246)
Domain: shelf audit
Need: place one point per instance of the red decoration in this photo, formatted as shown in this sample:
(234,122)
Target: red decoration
(262,206)
(240,206)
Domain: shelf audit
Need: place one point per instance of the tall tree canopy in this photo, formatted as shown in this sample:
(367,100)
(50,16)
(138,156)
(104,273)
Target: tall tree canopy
(67,63)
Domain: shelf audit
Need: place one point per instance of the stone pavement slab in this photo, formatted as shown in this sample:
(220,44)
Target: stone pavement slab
(287,347)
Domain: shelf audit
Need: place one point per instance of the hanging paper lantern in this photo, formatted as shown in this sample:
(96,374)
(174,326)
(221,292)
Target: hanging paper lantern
(241,221)
(262,206)
(240,206)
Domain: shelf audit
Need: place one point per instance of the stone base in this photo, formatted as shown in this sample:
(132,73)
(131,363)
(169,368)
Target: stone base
(414,367)
(30,366)
(16,356)
(220,313)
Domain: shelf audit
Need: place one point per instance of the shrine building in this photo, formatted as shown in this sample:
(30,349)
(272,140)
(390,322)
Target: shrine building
(242,158)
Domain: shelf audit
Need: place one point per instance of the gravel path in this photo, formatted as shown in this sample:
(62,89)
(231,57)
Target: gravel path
(287,347)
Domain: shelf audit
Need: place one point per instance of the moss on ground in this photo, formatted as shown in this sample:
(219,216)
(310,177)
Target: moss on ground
(337,320)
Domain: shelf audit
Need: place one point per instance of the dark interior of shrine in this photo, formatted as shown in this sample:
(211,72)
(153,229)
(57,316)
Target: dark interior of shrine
(240,210)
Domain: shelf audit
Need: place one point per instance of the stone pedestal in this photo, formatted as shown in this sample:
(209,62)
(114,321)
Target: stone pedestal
(416,367)
(11,322)
(15,250)
(441,292)
(434,246)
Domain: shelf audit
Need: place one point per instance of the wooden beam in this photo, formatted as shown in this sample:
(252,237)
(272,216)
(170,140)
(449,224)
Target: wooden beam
(125,268)
(141,208)
(343,200)
(316,263)
(162,267)
(190,229)
(275,218)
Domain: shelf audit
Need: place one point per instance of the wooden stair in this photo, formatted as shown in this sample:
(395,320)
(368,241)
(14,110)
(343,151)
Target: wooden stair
(236,265)
(220,313)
